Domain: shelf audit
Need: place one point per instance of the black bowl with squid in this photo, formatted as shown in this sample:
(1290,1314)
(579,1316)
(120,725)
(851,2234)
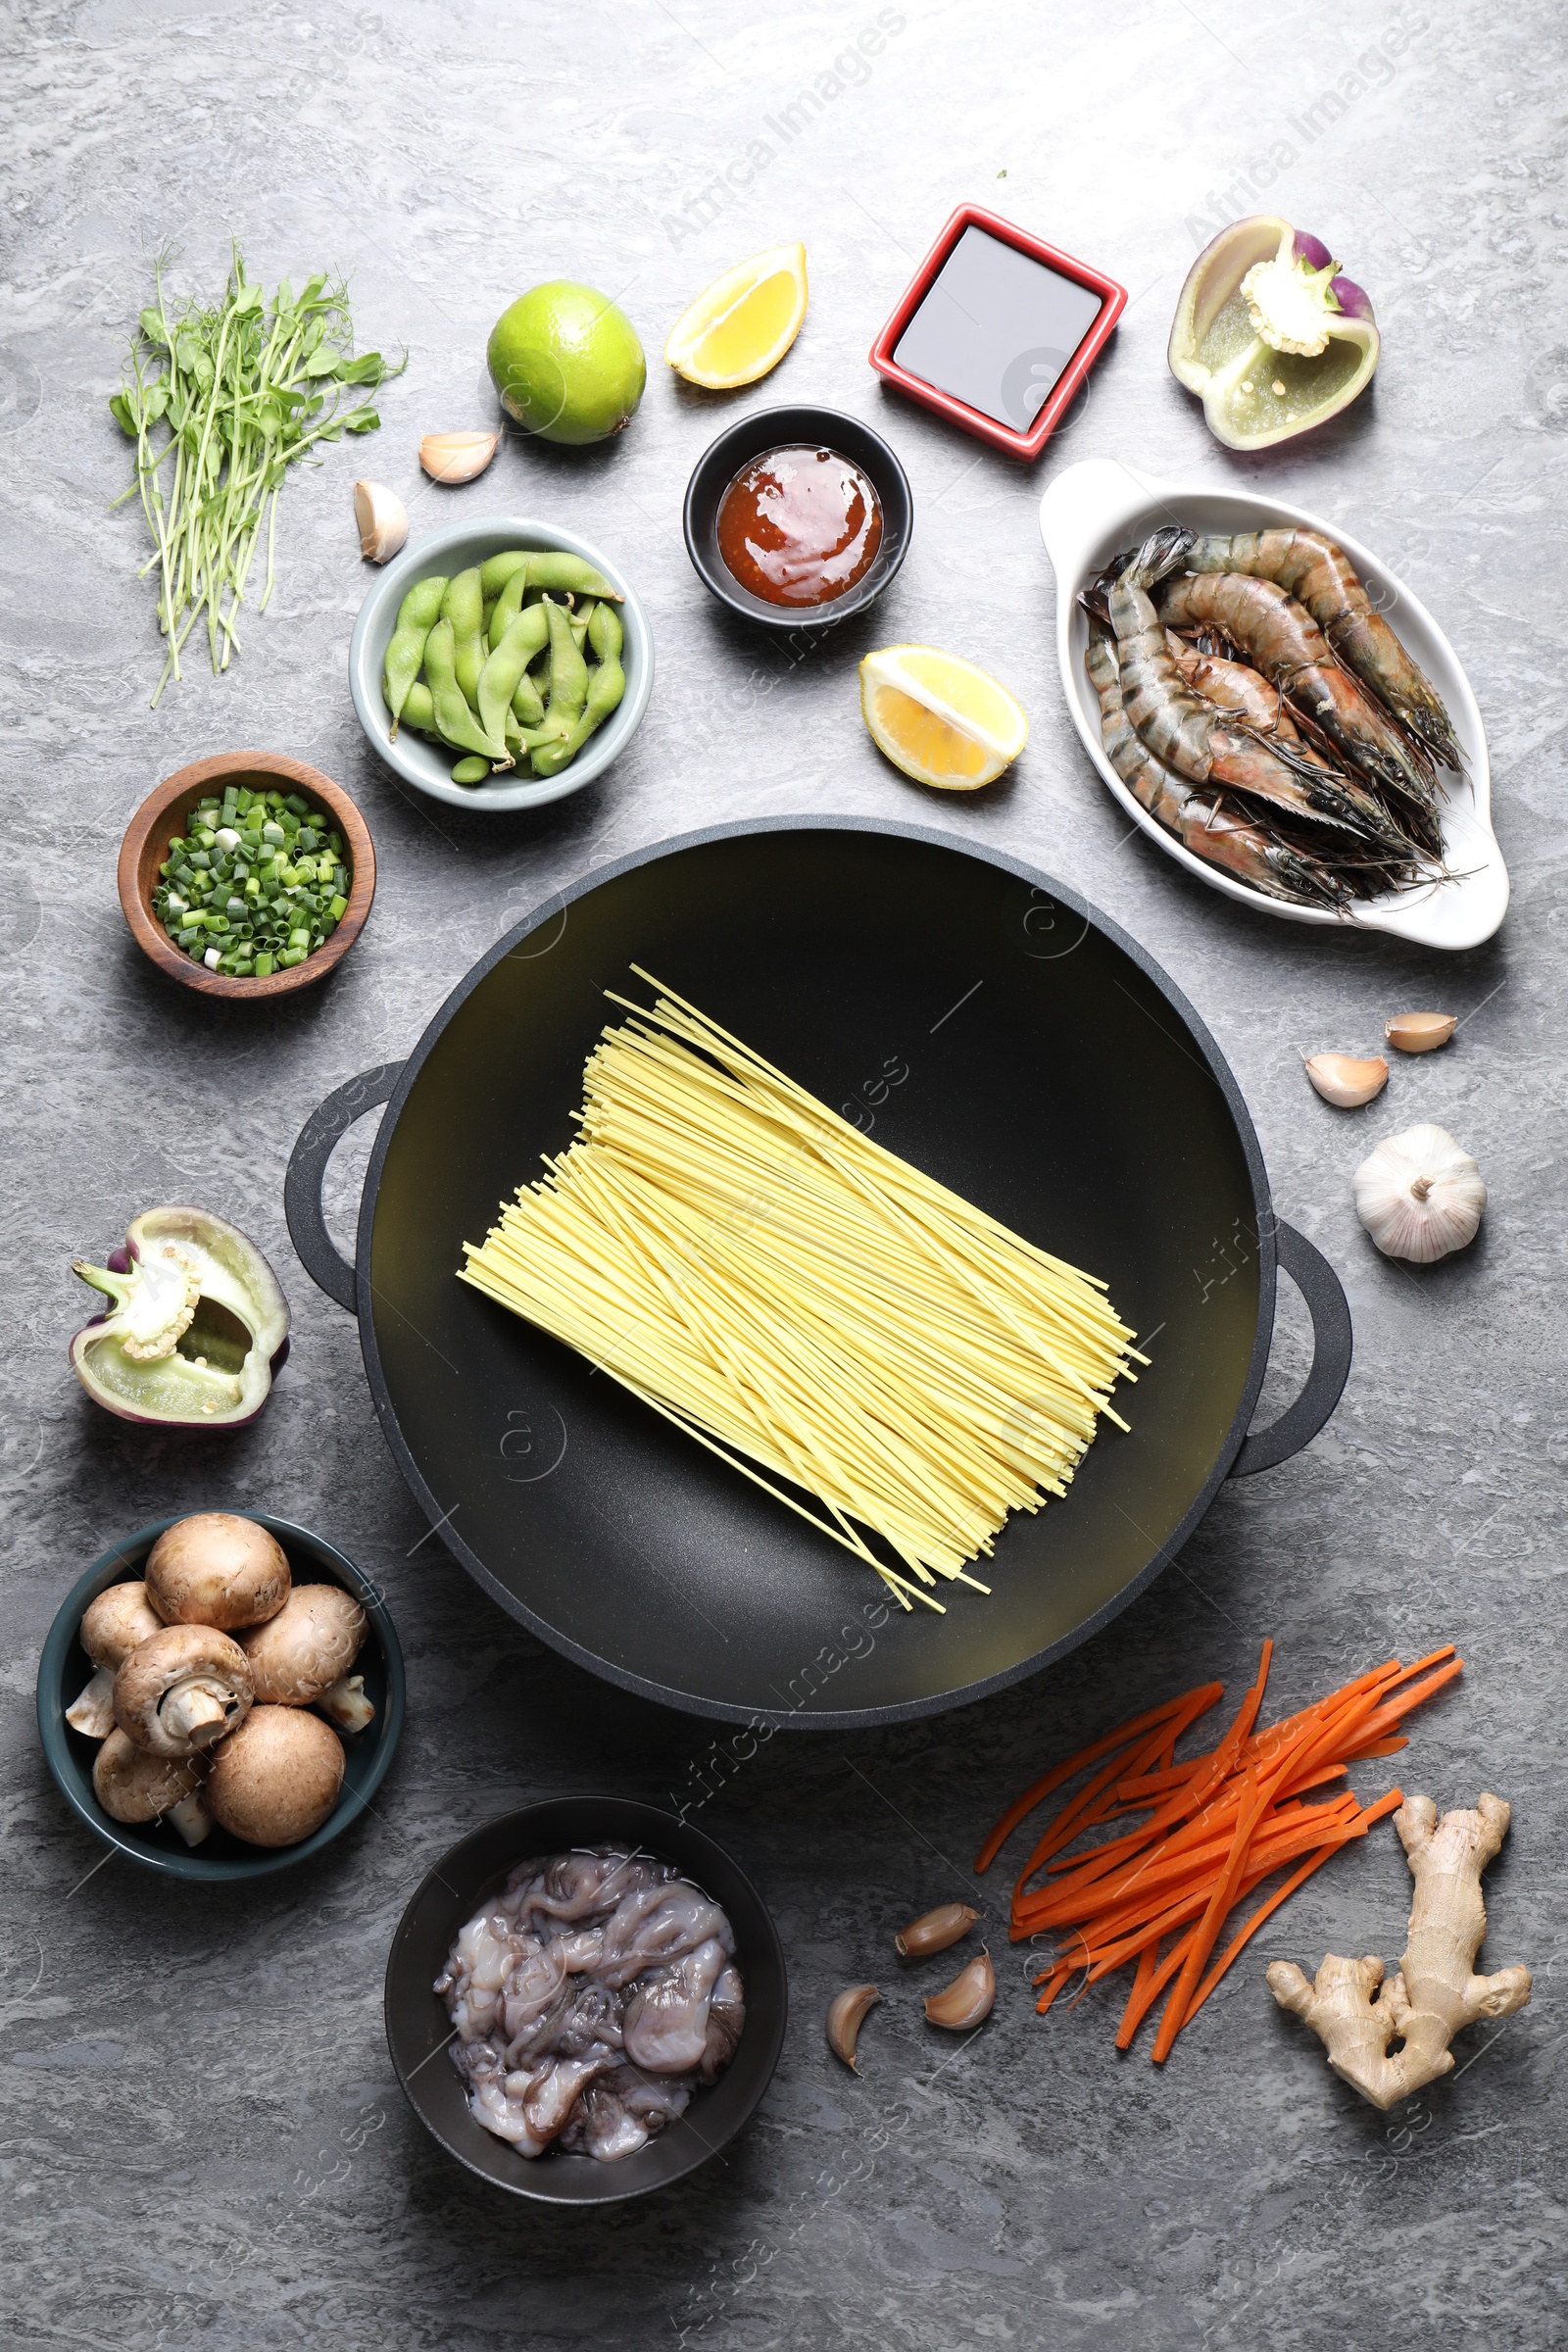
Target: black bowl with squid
(419,2028)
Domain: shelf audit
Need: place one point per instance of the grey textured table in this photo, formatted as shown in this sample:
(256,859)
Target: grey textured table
(203,2143)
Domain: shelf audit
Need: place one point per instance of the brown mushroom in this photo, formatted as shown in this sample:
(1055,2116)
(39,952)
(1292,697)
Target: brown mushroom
(276,1777)
(132,1784)
(217,1569)
(182,1689)
(309,1646)
(111,1628)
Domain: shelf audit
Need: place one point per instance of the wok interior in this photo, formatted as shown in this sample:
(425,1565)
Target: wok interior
(1049,1079)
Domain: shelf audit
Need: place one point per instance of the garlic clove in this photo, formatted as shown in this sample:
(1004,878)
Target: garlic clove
(456,456)
(383,520)
(968,2000)
(1346,1081)
(845,2017)
(1420,1195)
(1420,1032)
(934,1931)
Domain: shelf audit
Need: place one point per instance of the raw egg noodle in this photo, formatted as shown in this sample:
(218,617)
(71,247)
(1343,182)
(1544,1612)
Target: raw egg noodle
(803,1302)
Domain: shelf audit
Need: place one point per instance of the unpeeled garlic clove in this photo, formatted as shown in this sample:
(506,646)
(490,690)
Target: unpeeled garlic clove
(1420,1032)
(456,456)
(968,2000)
(845,2017)
(1345,1080)
(1420,1195)
(383,520)
(934,1931)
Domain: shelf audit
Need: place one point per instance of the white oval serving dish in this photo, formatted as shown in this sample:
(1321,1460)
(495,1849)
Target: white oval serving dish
(1101,506)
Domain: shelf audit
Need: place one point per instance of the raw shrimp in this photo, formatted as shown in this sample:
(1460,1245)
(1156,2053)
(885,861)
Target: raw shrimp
(1196,818)
(1321,577)
(1237,686)
(1289,649)
(1192,736)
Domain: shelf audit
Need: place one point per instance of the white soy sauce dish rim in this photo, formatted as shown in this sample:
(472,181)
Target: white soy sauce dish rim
(426,766)
(1093,508)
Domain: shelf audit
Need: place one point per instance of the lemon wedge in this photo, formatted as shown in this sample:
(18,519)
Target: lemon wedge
(941,720)
(743,324)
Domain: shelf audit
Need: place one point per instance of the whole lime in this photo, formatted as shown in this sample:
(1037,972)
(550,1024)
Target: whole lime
(566,363)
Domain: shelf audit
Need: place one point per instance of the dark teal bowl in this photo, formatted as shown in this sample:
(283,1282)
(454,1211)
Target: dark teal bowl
(65,1667)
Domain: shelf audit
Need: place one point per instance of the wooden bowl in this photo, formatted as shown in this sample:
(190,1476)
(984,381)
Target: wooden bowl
(163,815)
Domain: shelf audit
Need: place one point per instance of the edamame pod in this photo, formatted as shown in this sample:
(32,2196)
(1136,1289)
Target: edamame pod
(568,677)
(462,607)
(569,575)
(508,604)
(497,570)
(605,685)
(473,770)
(419,712)
(404,651)
(527,703)
(605,633)
(454,719)
(503,674)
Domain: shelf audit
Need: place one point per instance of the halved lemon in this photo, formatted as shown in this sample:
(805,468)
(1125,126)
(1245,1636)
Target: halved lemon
(941,720)
(743,324)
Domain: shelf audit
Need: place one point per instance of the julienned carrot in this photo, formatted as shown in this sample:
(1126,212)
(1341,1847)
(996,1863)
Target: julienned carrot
(1214,1827)
(1053,1778)
(1385,1805)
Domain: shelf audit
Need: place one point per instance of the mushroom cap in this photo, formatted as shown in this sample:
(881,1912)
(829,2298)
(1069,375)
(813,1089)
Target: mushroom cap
(132,1784)
(216,1568)
(276,1777)
(168,1664)
(308,1646)
(114,1623)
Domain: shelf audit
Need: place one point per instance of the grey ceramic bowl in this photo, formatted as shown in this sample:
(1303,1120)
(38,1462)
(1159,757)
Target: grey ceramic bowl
(419,2029)
(65,1667)
(426,766)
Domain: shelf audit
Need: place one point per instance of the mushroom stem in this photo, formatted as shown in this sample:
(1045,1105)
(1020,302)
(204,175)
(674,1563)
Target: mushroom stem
(195,1710)
(191,1818)
(93,1713)
(346,1705)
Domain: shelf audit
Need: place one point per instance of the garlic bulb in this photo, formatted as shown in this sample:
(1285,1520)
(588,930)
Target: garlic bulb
(1419,1195)
(456,456)
(1420,1032)
(383,520)
(1346,1081)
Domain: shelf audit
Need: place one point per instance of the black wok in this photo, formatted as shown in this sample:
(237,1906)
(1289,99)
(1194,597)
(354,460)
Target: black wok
(983,1021)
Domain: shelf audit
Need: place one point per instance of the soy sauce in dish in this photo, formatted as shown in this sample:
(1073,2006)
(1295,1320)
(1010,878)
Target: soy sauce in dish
(800,526)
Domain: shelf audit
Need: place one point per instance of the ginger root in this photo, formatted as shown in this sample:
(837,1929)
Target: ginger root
(1437,1990)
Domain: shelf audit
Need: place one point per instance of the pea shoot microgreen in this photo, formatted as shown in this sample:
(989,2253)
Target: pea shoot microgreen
(241,390)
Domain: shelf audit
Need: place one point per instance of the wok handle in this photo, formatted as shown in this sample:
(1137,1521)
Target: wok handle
(313,1146)
(1332,1346)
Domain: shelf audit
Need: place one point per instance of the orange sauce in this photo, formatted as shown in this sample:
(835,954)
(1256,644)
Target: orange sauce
(799,526)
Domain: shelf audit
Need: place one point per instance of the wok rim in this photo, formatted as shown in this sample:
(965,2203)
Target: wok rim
(689,1702)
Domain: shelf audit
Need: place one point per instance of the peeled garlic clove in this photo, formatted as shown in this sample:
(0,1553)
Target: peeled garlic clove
(1420,1032)
(1342,1079)
(382,519)
(845,2017)
(1419,1195)
(934,1931)
(967,1998)
(456,456)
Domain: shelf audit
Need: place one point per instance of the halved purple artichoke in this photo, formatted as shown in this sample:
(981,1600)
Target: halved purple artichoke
(197,1330)
(1269,334)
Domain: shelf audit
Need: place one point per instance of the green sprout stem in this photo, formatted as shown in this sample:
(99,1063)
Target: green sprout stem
(242,391)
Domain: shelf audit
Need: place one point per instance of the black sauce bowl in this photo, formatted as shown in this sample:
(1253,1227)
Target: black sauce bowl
(753,436)
(417,2027)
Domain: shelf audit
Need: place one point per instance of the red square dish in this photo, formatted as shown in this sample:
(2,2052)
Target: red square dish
(997,331)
